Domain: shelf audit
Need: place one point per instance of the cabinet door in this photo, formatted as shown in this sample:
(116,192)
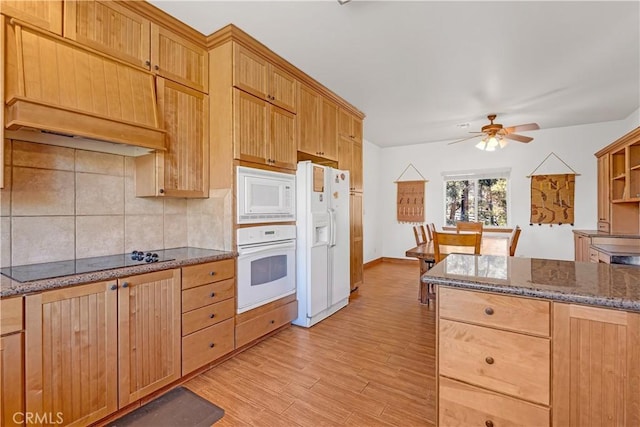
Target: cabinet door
(282,145)
(250,127)
(249,71)
(309,126)
(345,154)
(110,28)
(345,123)
(183,169)
(11,379)
(179,59)
(148,333)
(596,366)
(357,249)
(329,134)
(282,89)
(356,128)
(43,14)
(356,166)
(71,364)
(603,190)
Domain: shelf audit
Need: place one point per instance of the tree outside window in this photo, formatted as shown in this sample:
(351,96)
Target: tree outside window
(476,199)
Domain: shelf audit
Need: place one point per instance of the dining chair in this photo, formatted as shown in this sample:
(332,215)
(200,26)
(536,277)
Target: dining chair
(469,226)
(420,234)
(447,243)
(513,240)
(430,229)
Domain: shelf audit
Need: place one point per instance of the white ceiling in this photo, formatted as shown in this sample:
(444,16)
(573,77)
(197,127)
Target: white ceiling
(417,69)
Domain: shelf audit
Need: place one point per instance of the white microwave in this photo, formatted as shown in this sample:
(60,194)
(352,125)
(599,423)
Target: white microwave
(265,196)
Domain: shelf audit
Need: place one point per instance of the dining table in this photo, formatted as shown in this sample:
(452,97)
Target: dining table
(491,244)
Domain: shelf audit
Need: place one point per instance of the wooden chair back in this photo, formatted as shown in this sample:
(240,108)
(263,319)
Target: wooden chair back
(469,226)
(447,243)
(430,229)
(513,240)
(420,234)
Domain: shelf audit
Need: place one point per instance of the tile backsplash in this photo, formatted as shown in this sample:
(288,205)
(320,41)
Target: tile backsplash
(61,203)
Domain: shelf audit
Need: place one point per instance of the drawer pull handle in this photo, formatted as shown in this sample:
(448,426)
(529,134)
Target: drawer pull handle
(212,345)
(488,423)
(114,287)
(212,273)
(489,360)
(213,294)
(125,285)
(488,311)
(272,322)
(211,316)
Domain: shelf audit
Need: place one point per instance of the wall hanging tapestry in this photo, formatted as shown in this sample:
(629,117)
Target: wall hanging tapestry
(552,196)
(410,200)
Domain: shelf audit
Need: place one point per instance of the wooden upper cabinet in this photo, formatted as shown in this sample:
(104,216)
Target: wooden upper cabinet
(179,59)
(309,120)
(257,76)
(349,125)
(71,364)
(356,167)
(327,145)
(44,14)
(263,133)
(182,170)
(282,141)
(110,28)
(345,154)
(596,366)
(603,193)
(149,344)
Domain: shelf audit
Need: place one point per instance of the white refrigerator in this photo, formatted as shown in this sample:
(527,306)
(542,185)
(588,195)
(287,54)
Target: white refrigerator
(323,249)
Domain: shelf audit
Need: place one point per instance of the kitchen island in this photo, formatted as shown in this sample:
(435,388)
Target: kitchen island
(536,341)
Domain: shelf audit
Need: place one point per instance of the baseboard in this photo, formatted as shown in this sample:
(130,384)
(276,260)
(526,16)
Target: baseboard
(380,260)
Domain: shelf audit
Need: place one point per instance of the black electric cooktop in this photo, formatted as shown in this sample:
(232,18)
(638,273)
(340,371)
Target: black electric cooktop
(50,270)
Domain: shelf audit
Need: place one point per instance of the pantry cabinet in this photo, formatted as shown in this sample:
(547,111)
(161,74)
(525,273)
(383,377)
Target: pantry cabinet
(604,201)
(72,352)
(43,14)
(263,133)
(349,125)
(350,158)
(254,74)
(181,170)
(596,366)
(149,352)
(357,247)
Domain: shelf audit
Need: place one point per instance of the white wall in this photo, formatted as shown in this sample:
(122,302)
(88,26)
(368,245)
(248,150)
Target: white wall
(575,145)
(631,122)
(371,202)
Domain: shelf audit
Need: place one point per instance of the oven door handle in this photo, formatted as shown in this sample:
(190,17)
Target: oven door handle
(248,250)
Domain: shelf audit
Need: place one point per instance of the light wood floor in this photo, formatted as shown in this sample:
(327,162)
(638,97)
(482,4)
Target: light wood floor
(370,364)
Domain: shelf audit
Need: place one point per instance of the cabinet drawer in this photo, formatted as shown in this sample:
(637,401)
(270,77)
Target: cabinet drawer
(510,363)
(207,316)
(603,226)
(207,294)
(265,323)
(465,405)
(10,315)
(593,255)
(602,257)
(500,311)
(206,345)
(201,274)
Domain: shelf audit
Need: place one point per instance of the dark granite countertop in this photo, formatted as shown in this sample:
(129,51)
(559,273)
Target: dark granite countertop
(68,274)
(596,233)
(618,250)
(596,284)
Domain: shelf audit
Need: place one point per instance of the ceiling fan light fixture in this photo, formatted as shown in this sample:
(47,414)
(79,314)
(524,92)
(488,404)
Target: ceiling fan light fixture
(343,2)
(481,145)
(503,142)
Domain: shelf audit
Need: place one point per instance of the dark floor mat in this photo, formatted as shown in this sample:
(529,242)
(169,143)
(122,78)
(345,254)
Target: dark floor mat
(178,408)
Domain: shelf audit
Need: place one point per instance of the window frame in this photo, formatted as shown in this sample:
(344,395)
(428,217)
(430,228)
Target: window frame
(475,175)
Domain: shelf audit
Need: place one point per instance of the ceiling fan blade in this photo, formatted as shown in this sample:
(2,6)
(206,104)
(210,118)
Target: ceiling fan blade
(520,128)
(463,139)
(519,138)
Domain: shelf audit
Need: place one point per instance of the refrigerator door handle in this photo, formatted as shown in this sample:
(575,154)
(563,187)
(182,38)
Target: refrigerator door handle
(332,225)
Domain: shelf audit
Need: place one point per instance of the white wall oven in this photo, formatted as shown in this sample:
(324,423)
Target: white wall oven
(265,196)
(266,264)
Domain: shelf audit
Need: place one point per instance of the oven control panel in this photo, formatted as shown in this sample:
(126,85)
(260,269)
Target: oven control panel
(265,233)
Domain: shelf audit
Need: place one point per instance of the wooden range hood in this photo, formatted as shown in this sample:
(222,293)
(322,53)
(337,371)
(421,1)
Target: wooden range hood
(62,89)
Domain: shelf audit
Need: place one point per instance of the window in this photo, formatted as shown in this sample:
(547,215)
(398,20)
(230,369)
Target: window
(477,196)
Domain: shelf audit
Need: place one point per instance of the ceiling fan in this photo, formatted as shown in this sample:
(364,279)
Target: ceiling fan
(494,134)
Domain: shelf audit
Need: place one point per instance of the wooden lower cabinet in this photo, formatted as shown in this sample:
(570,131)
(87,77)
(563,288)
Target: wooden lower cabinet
(207,345)
(582,244)
(357,243)
(259,322)
(11,380)
(148,333)
(596,366)
(71,358)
